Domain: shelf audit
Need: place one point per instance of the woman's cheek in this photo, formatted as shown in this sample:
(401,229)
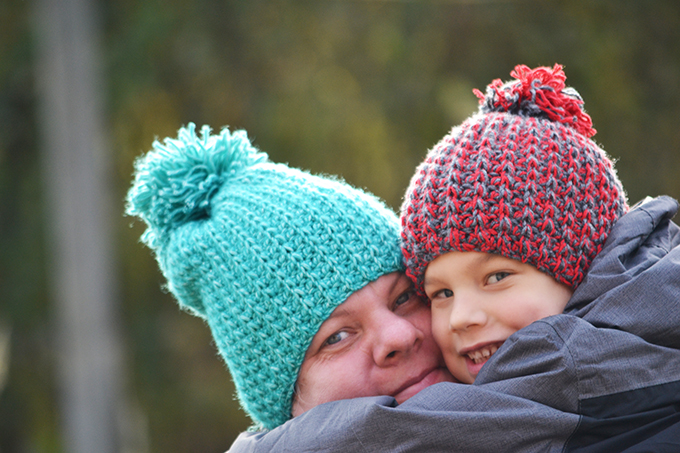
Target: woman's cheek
(324,379)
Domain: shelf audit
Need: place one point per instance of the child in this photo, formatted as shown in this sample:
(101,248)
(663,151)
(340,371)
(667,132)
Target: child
(505,215)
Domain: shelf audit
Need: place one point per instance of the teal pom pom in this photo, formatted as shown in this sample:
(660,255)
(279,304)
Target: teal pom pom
(175,182)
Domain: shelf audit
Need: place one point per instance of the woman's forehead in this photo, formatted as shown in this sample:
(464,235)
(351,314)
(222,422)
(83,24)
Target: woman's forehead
(375,294)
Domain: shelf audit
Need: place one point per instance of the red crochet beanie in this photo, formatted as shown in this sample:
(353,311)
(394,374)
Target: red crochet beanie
(521,178)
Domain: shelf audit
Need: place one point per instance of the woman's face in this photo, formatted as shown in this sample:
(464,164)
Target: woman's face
(378,342)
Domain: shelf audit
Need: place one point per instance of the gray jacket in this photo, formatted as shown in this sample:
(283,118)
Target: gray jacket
(602,377)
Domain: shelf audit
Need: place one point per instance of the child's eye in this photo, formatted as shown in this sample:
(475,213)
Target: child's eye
(444,294)
(336,338)
(497,277)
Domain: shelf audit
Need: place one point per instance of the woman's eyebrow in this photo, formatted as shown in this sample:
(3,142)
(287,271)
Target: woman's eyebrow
(339,312)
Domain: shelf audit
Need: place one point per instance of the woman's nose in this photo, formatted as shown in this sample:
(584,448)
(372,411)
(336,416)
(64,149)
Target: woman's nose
(396,337)
(467,312)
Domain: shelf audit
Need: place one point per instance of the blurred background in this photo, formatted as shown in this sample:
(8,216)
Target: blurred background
(94,354)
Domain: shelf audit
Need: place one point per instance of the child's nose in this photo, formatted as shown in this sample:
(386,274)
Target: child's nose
(466,313)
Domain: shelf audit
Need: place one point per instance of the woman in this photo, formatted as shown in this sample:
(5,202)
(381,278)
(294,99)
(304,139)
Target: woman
(299,277)
(299,280)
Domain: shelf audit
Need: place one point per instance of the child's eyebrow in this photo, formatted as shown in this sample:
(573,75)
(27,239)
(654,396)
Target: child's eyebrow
(486,257)
(479,260)
(491,257)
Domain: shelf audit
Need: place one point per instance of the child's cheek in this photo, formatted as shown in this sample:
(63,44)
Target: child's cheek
(440,328)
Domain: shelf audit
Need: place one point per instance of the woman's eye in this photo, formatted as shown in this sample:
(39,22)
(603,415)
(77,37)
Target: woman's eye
(336,338)
(403,298)
(497,277)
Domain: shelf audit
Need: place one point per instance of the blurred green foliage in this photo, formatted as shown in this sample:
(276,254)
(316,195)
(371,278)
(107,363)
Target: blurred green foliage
(356,88)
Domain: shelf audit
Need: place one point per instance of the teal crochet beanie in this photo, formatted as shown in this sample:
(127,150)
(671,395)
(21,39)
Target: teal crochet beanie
(261,251)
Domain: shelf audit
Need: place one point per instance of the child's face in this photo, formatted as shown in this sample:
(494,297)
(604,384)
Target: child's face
(480,299)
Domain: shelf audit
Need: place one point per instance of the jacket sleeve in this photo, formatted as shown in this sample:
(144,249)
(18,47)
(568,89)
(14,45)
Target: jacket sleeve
(527,398)
(625,390)
(447,416)
(444,417)
(633,283)
(563,360)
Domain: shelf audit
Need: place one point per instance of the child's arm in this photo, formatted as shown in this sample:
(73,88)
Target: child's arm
(634,283)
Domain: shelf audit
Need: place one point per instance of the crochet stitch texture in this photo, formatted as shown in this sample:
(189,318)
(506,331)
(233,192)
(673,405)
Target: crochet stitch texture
(261,251)
(520,178)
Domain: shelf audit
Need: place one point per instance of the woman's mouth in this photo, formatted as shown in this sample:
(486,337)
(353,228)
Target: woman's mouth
(425,380)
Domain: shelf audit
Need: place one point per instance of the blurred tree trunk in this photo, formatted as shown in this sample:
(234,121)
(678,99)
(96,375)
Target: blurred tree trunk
(78,207)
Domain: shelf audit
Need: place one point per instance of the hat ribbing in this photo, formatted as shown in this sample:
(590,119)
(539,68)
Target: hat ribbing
(263,252)
(520,178)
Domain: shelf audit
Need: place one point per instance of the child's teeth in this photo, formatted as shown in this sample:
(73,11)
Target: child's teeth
(482,354)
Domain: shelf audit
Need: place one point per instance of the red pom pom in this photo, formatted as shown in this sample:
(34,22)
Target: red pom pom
(541,89)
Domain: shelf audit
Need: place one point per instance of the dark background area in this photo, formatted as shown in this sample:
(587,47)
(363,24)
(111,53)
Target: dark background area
(360,89)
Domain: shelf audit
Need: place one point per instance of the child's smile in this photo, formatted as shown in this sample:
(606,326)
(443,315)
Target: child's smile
(480,299)
(482,354)
(476,358)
